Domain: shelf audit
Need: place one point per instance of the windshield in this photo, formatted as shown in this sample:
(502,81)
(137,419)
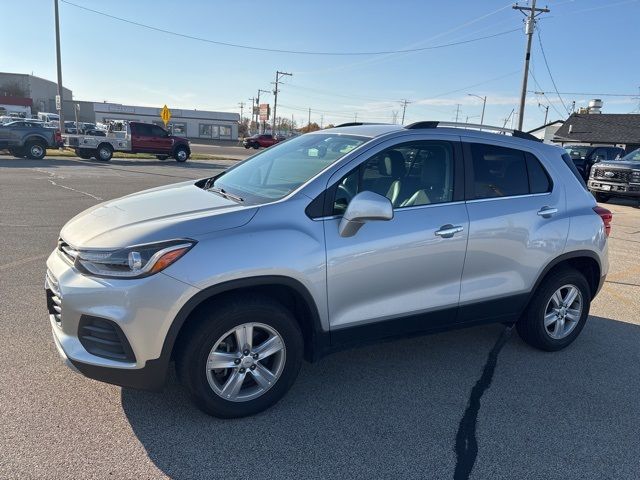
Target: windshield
(576,151)
(279,170)
(634,156)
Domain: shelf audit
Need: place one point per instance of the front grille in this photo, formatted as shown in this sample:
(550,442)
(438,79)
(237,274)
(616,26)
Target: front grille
(615,175)
(104,338)
(67,250)
(54,298)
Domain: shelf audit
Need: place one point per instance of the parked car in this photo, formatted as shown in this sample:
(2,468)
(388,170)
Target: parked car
(331,239)
(27,138)
(257,141)
(136,137)
(616,178)
(584,156)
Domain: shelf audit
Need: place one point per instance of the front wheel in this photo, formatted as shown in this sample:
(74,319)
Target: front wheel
(36,150)
(557,312)
(602,197)
(241,358)
(181,154)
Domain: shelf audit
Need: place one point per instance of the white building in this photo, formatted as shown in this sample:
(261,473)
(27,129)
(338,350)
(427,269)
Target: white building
(193,124)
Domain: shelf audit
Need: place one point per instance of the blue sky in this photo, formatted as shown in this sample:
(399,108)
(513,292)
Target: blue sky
(591,47)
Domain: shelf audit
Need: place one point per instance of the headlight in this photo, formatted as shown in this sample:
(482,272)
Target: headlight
(132,262)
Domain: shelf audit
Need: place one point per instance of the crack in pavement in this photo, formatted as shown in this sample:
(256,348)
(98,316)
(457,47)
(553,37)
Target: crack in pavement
(53,175)
(466,447)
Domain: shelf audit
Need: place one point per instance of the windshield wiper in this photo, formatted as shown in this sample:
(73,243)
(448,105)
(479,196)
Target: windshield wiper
(227,195)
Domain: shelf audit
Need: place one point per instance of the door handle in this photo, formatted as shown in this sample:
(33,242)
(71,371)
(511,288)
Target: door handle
(546,212)
(448,231)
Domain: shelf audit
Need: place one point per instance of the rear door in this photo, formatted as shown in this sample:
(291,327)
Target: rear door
(402,275)
(518,223)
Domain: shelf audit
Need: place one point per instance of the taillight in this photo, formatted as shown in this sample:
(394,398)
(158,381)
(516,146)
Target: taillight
(606,217)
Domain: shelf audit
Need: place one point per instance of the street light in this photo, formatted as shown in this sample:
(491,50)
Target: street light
(484,103)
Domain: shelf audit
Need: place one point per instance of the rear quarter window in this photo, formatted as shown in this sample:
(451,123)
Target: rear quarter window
(571,166)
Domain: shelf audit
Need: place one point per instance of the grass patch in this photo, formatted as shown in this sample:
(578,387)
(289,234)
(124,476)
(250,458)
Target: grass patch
(54,152)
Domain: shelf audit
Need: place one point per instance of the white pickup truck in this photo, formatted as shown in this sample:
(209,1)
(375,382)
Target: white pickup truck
(135,137)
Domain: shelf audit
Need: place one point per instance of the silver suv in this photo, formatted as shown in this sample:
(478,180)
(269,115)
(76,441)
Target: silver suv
(331,239)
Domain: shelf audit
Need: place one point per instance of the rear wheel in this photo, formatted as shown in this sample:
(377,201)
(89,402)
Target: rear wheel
(36,150)
(181,154)
(602,197)
(104,152)
(241,358)
(558,311)
(17,152)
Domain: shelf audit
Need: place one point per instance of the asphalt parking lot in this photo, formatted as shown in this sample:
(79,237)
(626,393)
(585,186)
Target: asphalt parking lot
(419,408)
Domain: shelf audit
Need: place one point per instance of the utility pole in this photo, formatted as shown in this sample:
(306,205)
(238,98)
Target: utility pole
(241,105)
(275,97)
(506,120)
(546,112)
(484,104)
(309,122)
(457,112)
(530,24)
(59,61)
(404,102)
(253,110)
(322,120)
(355,118)
(291,129)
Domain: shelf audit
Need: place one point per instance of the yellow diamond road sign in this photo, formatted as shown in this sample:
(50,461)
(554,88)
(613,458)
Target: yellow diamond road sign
(165,115)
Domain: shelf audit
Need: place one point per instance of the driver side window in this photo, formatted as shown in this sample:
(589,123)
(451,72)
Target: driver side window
(409,175)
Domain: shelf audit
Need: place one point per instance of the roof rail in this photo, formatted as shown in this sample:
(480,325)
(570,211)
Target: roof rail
(473,126)
(357,124)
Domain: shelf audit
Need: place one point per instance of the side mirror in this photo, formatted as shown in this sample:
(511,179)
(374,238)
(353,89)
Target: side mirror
(364,207)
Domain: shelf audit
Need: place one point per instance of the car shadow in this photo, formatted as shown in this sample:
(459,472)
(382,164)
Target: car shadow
(393,410)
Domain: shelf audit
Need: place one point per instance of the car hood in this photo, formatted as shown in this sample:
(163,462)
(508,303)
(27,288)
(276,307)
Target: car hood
(634,165)
(181,210)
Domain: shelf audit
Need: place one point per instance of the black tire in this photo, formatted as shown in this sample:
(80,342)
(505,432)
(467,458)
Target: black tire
(531,325)
(17,152)
(256,146)
(181,154)
(104,152)
(602,197)
(198,341)
(247,146)
(85,154)
(35,149)
(162,157)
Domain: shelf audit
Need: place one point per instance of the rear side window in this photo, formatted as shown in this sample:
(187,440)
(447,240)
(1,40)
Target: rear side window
(539,181)
(569,163)
(498,171)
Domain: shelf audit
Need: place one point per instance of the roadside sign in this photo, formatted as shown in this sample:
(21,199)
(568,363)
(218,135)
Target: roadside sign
(165,115)
(265,112)
(58,106)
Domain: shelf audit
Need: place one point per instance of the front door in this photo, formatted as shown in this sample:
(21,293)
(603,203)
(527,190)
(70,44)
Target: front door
(402,275)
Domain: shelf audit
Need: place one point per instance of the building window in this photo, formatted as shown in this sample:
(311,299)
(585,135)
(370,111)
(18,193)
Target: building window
(205,130)
(178,128)
(225,131)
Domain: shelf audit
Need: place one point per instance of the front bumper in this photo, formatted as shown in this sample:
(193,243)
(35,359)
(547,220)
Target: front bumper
(616,189)
(143,309)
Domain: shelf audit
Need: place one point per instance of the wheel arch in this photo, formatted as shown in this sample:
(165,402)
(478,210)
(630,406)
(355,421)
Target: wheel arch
(586,262)
(289,292)
(35,138)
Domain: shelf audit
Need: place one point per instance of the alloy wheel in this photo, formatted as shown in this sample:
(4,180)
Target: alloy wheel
(246,362)
(563,311)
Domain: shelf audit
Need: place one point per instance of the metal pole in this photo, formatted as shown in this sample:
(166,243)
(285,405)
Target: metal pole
(275,98)
(530,24)
(484,104)
(59,62)
(309,121)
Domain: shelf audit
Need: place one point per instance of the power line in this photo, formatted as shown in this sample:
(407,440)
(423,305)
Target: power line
(560,114)
(544,56)
(278,50)
(591,94)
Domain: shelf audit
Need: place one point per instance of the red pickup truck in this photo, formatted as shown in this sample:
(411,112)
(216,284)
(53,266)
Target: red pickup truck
(257,141)
(138,137)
